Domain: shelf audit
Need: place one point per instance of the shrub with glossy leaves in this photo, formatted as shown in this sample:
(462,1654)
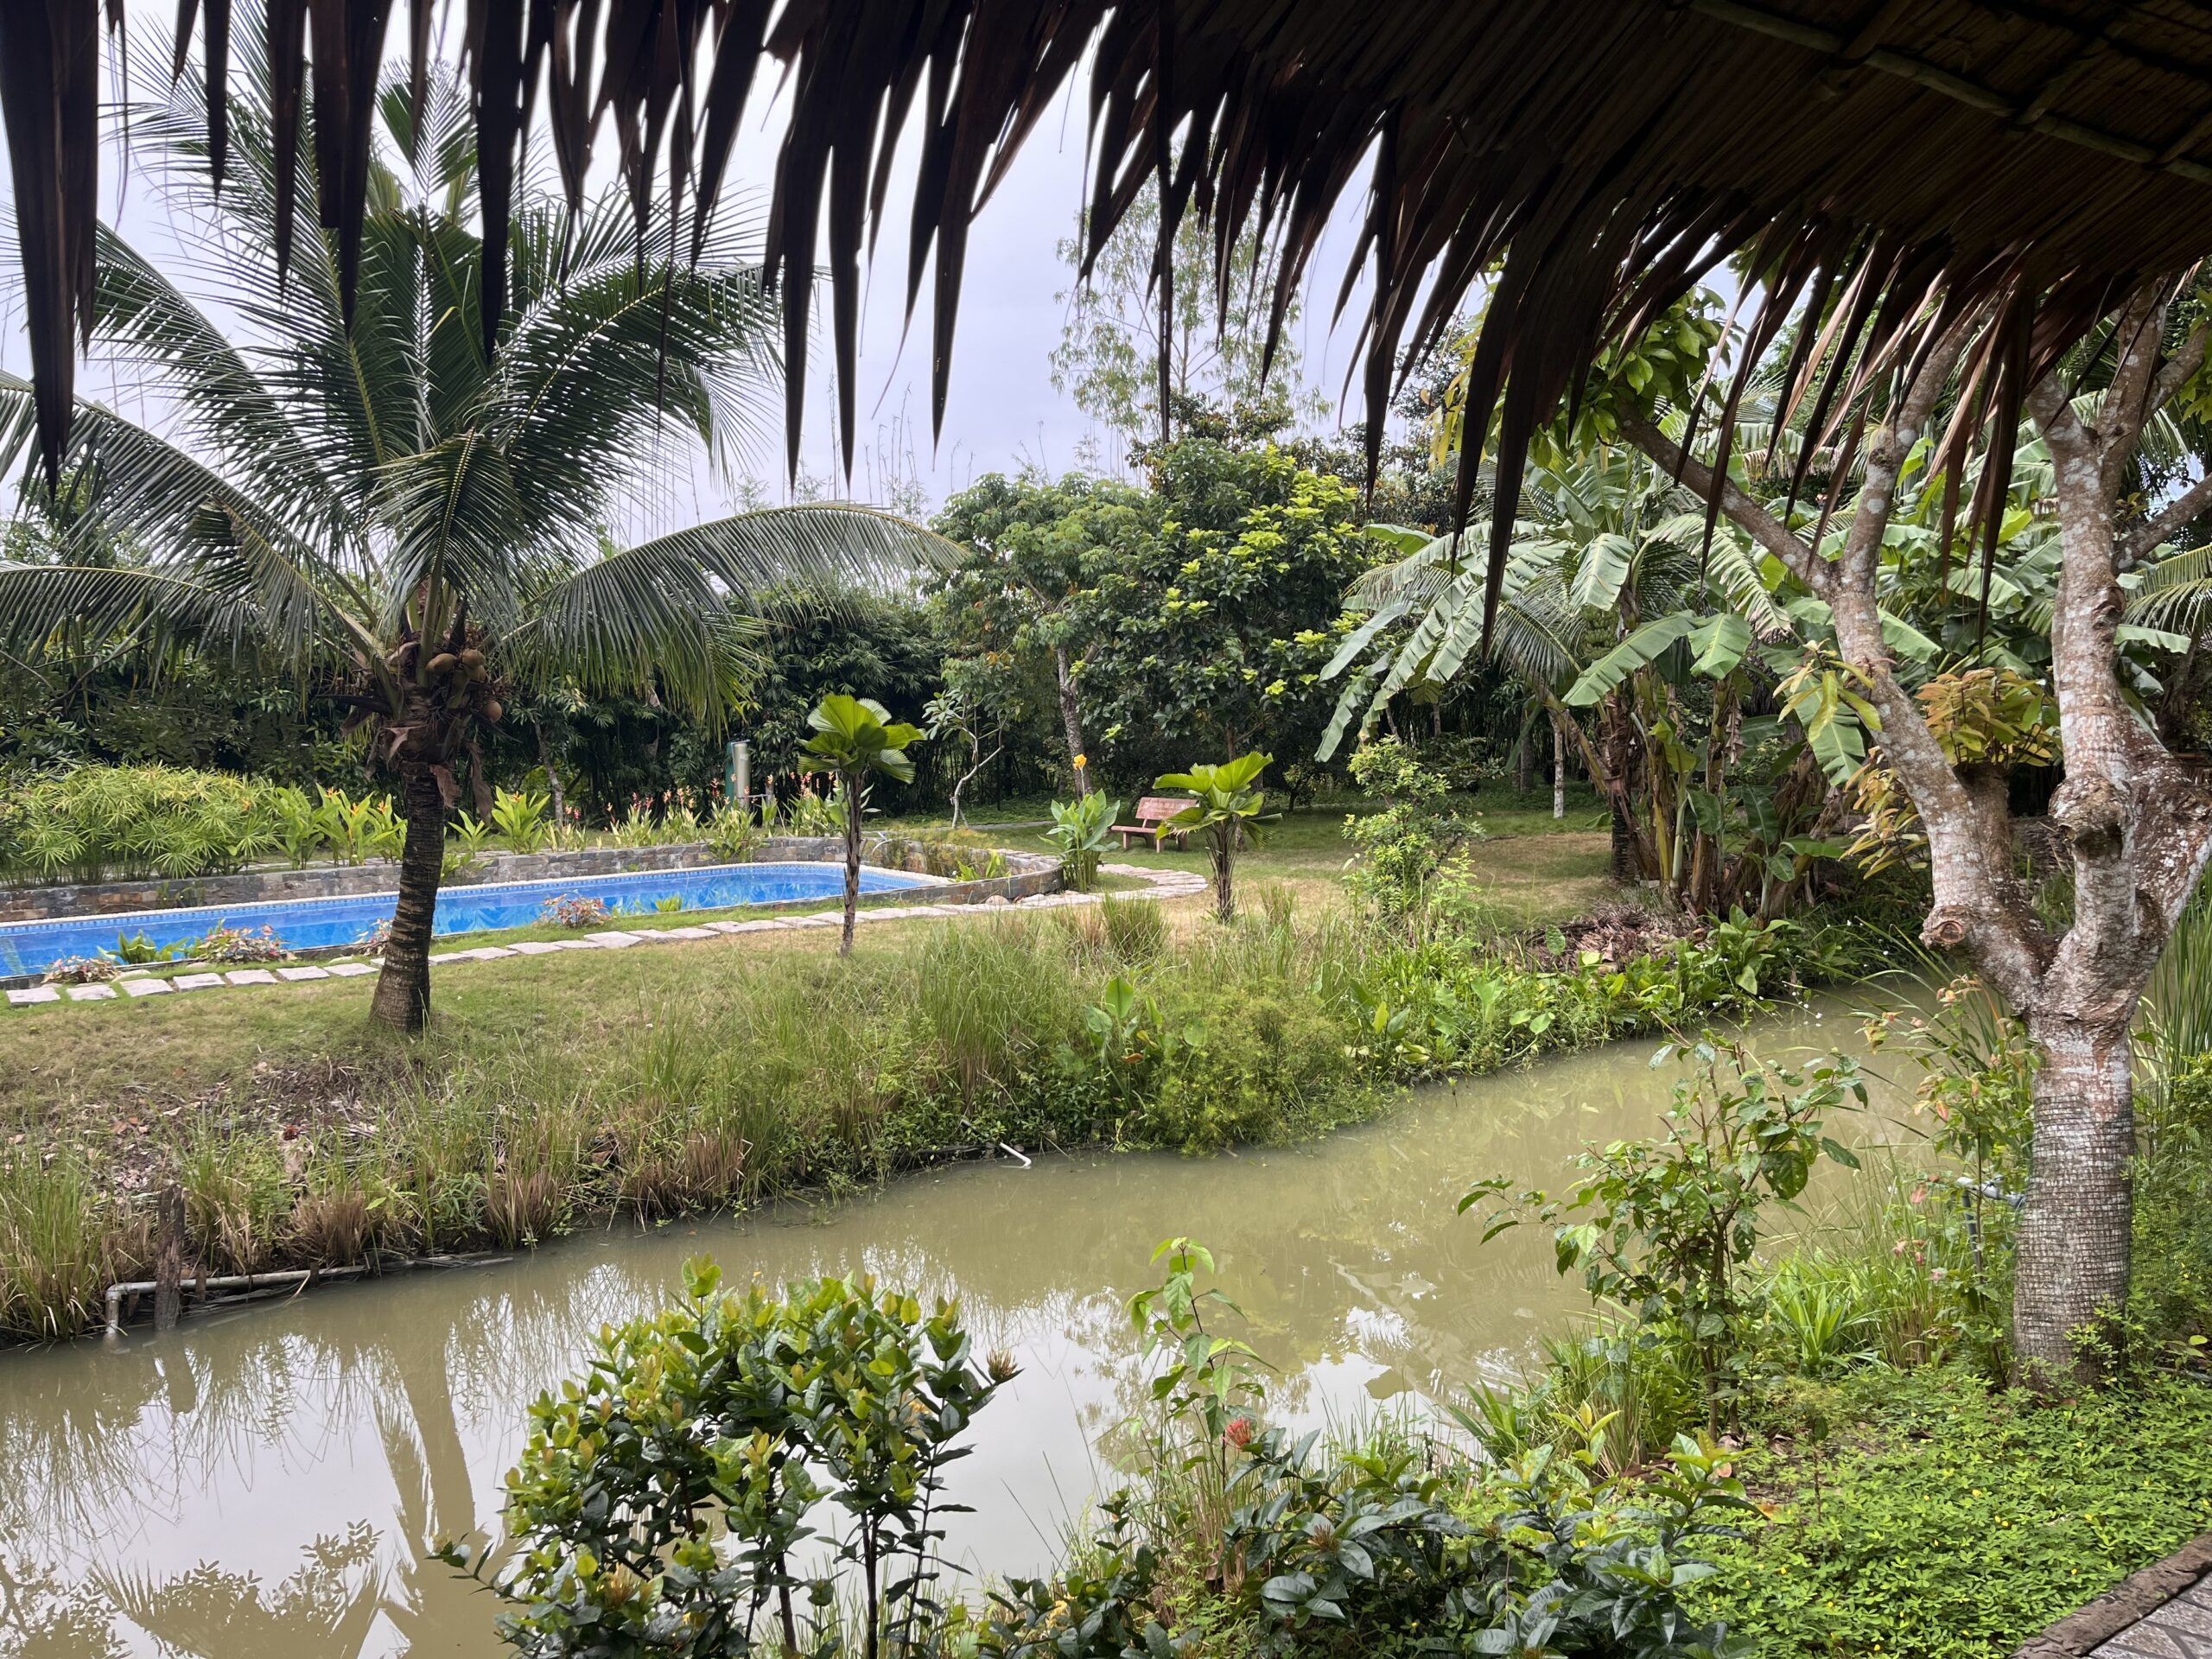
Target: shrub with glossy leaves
(741,1418)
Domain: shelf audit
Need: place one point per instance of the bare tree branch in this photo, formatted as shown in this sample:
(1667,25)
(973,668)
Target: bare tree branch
(2181,366)
(1747,515)
(2137,335)
(2162,525)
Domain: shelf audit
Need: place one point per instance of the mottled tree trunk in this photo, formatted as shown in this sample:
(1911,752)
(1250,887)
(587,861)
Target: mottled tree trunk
(1558,771)
(2137,821)
(2070,1270)
(403,995)
(1071,718)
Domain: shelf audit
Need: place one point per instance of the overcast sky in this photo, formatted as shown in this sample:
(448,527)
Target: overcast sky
(1002,411)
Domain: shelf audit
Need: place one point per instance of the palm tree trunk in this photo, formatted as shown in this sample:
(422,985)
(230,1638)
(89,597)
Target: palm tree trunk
(402,998)
(1224,849)
(852,862)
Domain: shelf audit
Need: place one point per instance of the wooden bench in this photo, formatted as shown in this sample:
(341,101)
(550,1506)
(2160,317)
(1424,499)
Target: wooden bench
(1152,815)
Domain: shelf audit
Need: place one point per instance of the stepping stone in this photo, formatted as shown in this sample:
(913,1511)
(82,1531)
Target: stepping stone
(576,944)
(351,969)
(196,981)
(815,921)
(448,956)
(486,953)
(615,941)
(687,933)
(91,992)
(146,986)
(537,948)
(759,927)
(251,976)
(24,999)
(303,973)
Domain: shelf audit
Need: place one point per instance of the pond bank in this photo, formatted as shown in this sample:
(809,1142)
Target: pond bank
(555,1091)
(319,1447)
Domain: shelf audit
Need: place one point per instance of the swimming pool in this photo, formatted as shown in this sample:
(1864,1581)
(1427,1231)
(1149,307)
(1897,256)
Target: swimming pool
(308,923)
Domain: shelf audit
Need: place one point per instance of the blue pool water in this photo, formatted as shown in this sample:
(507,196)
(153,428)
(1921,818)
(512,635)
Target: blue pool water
(305,923)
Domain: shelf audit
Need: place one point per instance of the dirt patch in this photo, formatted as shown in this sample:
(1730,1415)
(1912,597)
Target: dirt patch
(1615,932)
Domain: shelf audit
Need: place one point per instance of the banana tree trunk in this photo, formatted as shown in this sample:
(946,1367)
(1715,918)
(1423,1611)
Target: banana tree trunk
(1558,771)
(1071,718)
(854,797)
(403,994)
(1223,843)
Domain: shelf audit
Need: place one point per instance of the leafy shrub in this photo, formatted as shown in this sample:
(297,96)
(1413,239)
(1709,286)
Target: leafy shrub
(1665,1227)
(1406,873)
(576,909)
(661,1502)
(1253,1066)
(1384,1546)
(81,971)
(223,942)
(96,823)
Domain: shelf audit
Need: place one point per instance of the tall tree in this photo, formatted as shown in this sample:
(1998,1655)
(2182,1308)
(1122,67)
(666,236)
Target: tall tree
(1120,348)
(2137,818)
(403,523)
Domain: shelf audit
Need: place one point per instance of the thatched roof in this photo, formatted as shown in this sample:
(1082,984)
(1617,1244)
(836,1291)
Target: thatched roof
(2028,156)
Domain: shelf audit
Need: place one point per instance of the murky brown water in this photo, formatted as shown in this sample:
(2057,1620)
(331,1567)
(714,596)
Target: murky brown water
(265,1485)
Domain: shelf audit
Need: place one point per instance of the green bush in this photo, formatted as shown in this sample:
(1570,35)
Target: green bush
(1959,1522)
(98,824)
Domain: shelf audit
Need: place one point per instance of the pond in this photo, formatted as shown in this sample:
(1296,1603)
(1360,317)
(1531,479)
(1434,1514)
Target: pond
(265,1483)
(311,924)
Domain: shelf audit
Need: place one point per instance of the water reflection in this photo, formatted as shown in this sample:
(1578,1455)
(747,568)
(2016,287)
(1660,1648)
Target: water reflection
(269,1482)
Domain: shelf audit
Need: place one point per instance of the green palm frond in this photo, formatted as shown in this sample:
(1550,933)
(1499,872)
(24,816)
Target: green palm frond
(2175,594)
(91,604)
(621,622)
(822,549)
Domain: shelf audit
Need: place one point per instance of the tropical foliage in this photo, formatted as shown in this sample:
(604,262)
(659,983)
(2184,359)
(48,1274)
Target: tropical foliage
(856,740)
(357,492)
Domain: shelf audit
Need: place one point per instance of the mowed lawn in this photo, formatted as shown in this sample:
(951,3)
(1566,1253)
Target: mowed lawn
(101,1064)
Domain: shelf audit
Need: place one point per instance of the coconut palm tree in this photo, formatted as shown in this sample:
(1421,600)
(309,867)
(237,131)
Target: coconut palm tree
(408,523)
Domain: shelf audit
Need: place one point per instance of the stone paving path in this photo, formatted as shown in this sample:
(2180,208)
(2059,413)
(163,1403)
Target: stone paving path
(1165,884)
(2182,1628)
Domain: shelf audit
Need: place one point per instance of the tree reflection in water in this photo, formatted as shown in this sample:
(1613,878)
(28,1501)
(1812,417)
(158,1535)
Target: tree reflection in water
(351,1432)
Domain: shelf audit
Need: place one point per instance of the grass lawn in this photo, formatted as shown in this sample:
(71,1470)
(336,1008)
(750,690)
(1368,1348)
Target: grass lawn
(110,1059)
(1535,867)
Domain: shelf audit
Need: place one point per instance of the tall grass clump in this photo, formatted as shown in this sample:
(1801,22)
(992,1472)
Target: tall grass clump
(59,1251)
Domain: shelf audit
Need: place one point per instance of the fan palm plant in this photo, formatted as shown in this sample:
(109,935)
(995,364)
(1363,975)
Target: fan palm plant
(405,522)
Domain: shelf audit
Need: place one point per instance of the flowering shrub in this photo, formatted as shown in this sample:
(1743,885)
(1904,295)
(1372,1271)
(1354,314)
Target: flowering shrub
(82,971)
(377,937)
(576,909)
(223,943)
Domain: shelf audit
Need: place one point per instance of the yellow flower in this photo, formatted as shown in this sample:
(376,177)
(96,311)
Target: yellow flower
(1080,761)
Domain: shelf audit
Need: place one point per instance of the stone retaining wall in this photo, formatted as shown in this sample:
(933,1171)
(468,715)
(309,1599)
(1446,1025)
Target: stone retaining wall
(1027,873)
